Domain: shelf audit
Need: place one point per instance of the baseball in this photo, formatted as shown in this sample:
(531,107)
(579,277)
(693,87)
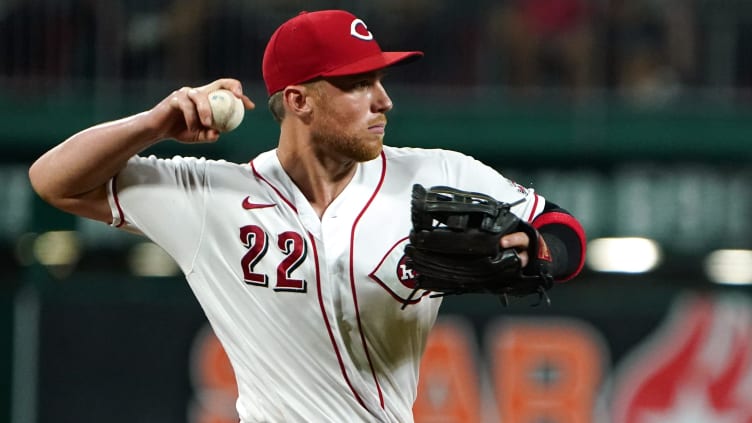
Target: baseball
(227,110)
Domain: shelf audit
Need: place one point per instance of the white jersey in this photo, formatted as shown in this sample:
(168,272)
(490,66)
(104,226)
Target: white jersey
(308,310)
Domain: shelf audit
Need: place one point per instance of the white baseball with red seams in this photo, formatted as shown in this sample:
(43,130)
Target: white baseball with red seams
(227,110)
(307,309)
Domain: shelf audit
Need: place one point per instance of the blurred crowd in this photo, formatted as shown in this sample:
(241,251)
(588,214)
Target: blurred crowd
(646,50)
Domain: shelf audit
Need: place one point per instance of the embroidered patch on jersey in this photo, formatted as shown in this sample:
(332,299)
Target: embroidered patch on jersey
(522,190)
(395,277)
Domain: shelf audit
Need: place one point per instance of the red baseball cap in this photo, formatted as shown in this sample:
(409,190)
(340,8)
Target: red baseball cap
(324,43)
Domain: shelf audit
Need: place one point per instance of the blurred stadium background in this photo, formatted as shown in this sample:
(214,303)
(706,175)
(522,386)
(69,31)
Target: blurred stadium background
(634,114)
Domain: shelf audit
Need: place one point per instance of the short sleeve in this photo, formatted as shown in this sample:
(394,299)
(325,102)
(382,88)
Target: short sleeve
(162,199)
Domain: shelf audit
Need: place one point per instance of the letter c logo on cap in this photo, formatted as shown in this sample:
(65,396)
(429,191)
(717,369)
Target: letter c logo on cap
(354,30)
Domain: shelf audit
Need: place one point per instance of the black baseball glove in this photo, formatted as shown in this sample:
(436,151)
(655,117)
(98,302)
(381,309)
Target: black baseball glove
(454,246)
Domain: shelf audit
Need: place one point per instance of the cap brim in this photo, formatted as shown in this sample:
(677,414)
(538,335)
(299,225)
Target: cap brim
(372,63)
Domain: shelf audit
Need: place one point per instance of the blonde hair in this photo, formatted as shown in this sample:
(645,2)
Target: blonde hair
(276,106)
(276,101)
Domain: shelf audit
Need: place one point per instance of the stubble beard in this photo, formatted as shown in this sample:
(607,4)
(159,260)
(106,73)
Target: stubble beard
(329,137)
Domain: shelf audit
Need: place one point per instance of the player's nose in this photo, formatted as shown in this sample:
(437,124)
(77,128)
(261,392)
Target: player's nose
(381,101)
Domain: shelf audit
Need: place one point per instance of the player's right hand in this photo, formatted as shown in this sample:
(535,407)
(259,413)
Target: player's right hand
(185,114)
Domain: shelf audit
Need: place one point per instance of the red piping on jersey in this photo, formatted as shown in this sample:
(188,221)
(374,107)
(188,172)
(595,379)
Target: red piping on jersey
(117,202)
(340,361)
(352,276)
(373,276)
(328,326)
(559,218)
(258,175)
(535,205)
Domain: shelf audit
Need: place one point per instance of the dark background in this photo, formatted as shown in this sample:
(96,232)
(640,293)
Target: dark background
(635,115)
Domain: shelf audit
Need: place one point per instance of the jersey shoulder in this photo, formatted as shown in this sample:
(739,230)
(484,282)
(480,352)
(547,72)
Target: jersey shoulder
(428,158)
(183,162)
(396,153)
(191,173)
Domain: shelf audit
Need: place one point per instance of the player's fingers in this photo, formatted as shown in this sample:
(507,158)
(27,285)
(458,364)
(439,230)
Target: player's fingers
(207,135)
(524,258)
(248,103)
(203,110)
(517,240)
(233,85)
(188,108)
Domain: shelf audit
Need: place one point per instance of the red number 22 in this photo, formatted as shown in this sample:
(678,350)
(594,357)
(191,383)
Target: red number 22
(292,245)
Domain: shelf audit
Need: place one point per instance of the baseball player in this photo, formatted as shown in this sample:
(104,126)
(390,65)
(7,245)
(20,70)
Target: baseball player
(296,257)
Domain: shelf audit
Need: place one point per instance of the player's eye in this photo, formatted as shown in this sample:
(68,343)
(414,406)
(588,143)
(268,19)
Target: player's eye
(358,82)
(365,83)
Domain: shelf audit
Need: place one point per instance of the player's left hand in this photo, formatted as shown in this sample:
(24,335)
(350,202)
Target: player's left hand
(509,257)
(519,241)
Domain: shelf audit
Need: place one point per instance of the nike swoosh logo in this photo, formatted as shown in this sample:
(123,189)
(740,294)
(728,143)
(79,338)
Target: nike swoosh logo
(251,206)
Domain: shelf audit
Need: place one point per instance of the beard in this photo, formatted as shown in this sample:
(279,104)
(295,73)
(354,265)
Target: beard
(350,146)
(329,135)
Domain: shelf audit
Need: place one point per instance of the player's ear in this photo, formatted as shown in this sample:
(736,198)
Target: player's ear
(297,100)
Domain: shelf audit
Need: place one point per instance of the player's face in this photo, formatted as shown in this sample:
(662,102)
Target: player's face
(349,116)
